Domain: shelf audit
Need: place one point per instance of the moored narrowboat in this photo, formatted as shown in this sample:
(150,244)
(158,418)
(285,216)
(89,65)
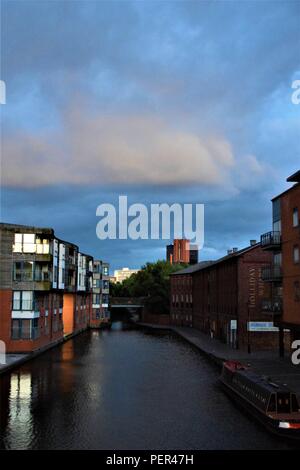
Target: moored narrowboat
(274,405)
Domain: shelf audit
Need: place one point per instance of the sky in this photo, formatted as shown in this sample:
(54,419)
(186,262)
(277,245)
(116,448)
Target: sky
(162,101)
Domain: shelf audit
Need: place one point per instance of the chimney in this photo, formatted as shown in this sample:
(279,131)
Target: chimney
(253,242)
(235,249)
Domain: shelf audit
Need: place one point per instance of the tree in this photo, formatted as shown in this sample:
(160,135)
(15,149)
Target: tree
(152,282)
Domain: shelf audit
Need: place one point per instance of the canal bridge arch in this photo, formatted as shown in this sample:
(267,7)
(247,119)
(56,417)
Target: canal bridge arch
(126,308)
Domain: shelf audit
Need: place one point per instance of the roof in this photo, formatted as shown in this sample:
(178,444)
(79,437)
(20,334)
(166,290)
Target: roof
(31,228)
(193,268)
(294,178)
(208,264)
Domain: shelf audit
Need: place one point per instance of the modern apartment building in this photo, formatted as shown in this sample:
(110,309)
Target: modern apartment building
(124,273)
(45,288)
(100,308)
(283,272)
(181,251)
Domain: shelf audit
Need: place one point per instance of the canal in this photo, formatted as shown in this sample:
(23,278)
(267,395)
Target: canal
(126,389)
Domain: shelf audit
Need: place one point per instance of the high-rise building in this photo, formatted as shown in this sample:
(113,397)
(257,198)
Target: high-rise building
(181,251)
(283,273)
(124,273)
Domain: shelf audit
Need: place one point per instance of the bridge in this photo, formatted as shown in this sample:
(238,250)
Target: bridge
(126,307)
(127,302)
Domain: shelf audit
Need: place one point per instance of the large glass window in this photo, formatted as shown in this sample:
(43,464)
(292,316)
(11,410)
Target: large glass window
(23,271)
(24,329)
(29,243)
(42,246)
(17,300)
(23,300)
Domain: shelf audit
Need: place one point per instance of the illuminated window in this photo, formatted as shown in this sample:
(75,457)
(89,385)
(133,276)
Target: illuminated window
(29,243)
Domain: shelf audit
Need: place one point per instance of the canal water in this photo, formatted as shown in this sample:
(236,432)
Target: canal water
(127,389)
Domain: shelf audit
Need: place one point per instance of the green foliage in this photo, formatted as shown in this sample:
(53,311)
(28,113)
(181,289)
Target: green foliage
(153,282)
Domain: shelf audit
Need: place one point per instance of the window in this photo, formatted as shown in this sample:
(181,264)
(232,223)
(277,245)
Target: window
(24,243)
(42,246)
(29,243)
(23,300)
(23,271)
(96,283)
(105,270)
(17,300)
(21,329)
(296,254)
(278,259)
(96,299)
(295,217)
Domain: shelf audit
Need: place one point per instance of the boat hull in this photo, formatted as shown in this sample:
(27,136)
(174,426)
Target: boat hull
(272,425)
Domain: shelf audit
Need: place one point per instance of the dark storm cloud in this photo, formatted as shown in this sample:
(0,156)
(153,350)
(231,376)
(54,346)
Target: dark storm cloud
(199,93)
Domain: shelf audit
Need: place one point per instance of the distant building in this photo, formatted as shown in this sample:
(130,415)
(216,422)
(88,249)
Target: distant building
(181,251)
(181,285)
(124,273)
(45,288)
(282,274)
(169,254)
(112,279)
(100,306)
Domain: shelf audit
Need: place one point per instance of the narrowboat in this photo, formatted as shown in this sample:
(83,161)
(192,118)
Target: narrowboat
(274,405)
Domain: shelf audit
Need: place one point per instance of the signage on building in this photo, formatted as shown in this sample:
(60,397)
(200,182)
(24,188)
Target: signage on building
(261,326)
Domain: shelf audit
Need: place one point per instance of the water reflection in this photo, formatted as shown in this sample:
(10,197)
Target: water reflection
(122,390)
(20,423)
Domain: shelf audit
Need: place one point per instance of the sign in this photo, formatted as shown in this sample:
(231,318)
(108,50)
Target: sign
(261,326)
(233,324)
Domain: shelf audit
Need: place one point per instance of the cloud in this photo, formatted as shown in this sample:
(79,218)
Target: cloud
(105,149)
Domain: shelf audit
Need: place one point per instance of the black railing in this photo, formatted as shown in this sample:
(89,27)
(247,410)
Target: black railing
(270,239)
(271,272)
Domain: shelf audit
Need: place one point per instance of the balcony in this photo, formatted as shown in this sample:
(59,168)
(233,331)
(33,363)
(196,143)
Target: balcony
(271,241)
(271,273)
(272,306)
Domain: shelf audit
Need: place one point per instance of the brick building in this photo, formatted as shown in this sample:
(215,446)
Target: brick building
(45,288)
(283,273)
(228,296)
(181,251)
(181,295)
